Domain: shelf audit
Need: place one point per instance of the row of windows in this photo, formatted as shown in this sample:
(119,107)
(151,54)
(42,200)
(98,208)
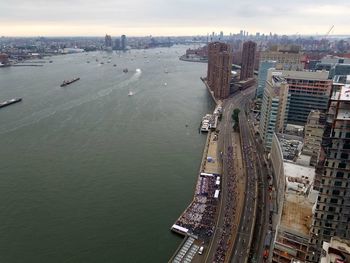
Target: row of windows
(340,134)
(332,164)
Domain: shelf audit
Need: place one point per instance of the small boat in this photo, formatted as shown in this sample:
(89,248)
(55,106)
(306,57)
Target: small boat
(165,84)
(114,65)
(130,93)
(50,61)
(88,61)
(166,71)
(125,70)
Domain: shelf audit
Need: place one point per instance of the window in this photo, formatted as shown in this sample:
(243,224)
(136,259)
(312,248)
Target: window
(326,232)
(338,183)
(331,209)
(334,200)
(331,217)
(327,224)
(339,175)
(342,165)
(344,156)
(336,192)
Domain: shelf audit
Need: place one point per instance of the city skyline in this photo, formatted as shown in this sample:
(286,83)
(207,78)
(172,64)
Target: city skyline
(166,18)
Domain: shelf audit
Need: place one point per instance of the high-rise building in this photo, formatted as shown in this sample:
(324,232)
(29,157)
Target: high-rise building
(308,90)
(248,60)
(332,212)
(313,135)
(219,69)
(117,45)
(274,109)
(123,42)
(287,57)
(108,41)
(262,75)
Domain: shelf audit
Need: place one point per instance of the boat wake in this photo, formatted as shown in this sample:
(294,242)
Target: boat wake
(37,116)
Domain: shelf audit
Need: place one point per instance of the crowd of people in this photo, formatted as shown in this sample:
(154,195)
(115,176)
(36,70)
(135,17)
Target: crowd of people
(199,216)
(225,239)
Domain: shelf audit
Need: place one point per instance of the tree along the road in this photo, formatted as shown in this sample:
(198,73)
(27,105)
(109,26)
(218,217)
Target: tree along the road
(235,118)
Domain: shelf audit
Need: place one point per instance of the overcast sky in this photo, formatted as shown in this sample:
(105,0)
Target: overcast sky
(171,17)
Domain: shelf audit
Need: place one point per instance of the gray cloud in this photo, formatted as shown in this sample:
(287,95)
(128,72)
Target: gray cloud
(254,15)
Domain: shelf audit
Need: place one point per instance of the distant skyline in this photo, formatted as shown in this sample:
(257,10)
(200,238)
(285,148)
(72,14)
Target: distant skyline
(171,17)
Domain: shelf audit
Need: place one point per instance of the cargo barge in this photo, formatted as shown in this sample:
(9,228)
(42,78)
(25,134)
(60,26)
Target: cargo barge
(9,102)
(67,82)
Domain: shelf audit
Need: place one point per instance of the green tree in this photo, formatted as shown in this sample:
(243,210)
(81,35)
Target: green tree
(235,118)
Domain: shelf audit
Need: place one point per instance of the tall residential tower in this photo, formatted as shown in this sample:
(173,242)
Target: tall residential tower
(219,69)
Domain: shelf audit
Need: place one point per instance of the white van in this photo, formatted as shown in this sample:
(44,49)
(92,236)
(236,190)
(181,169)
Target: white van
(200,251)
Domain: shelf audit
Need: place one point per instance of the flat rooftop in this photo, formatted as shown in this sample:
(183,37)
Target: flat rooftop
(299,171)
(297,214)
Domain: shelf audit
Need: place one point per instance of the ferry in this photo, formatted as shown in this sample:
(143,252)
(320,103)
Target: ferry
(67,82)
(9,102)
(206,123)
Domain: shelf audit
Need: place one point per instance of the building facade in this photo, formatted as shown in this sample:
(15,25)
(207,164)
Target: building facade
(287,57)
(274,109)
(248,60)
(108,41)
(219,69)
(123,42)
(332,212)
(313,135)
(309,91)
(262,76)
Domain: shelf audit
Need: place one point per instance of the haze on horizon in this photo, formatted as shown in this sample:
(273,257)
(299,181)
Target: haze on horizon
(171,17)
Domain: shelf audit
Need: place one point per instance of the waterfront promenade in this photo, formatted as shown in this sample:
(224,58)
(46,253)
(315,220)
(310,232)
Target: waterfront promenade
(224,146)
(198,219)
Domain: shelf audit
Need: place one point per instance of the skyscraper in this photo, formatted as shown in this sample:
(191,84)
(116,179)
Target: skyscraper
(308,90)
(248,60)
(123,42)
(219,69)
(332,211)
(274,109)
(108,41)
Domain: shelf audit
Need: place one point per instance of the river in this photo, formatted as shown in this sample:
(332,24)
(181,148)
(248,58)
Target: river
(90,174)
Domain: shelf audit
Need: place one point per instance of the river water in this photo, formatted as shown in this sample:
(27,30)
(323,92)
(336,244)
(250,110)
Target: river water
(90,174)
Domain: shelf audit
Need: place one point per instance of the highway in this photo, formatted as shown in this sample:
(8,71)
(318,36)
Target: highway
(242,221)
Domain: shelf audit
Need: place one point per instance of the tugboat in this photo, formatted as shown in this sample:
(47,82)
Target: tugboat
(67,82)
(125,70)
(9,102)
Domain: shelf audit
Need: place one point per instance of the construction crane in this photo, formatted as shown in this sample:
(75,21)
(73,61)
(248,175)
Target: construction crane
(329,31)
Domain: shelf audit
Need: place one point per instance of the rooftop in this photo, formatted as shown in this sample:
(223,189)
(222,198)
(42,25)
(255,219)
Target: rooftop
(307,75)
(296,214)
(291,146)
(301,175)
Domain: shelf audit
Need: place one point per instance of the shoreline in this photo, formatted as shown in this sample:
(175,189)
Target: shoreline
(183,58)
(195,233)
